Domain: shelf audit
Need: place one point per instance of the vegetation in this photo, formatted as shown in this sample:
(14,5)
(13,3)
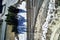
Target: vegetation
(57,3)
(13,9)
(11,16)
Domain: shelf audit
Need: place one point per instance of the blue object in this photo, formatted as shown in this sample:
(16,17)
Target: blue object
(21,28)
(21,21)
(21,11)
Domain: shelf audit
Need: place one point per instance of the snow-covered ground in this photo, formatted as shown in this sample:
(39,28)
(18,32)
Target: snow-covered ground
(22,21)
(22,36)
(48,18)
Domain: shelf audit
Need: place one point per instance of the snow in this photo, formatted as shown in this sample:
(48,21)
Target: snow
(23,6)
(48,18)
(22,36)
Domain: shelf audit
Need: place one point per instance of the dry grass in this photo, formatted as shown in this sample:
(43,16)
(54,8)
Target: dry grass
(9,34)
